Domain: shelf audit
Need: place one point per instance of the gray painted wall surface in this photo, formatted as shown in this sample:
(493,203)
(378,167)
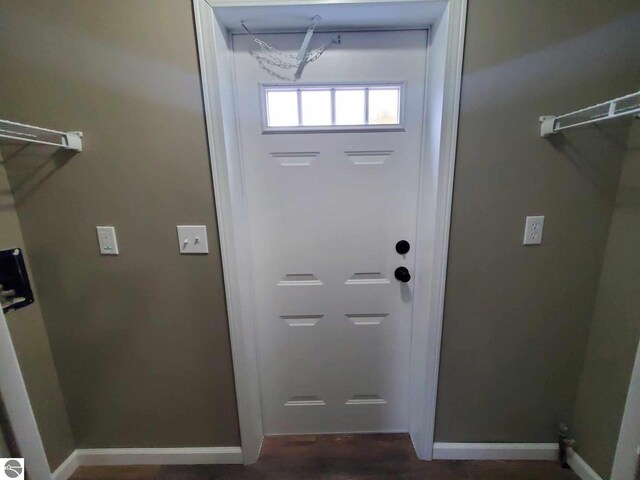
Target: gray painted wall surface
(140,340)
(32,347)
(615,331)
(517,318)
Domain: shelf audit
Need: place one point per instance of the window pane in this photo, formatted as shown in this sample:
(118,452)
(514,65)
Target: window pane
(282,108)
(316,107)
(350,107)
(383,106)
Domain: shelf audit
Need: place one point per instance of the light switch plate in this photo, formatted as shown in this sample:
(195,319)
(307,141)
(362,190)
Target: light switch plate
(533,230)
(107,240)
(193,239)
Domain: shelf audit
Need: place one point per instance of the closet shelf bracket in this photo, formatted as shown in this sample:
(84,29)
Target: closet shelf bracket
(42,136)
(618,107)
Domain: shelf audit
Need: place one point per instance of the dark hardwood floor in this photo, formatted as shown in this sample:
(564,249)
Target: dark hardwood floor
(338,457)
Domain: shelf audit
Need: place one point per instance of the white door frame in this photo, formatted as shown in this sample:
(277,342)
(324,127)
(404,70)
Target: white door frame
(18,406)
(446,43)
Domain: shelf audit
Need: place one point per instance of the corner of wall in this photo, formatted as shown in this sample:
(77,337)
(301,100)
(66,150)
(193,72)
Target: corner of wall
(31,342)
(615,327)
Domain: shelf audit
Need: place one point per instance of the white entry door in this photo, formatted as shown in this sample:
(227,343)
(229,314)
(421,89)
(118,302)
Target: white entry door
(327,206)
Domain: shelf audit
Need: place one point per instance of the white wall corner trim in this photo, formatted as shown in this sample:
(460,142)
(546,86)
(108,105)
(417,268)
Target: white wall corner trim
(580,467)
(147,456)
(18,407)
(625,461)
(495,451)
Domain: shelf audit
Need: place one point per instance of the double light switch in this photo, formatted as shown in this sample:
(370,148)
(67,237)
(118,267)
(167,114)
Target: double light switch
(193,239)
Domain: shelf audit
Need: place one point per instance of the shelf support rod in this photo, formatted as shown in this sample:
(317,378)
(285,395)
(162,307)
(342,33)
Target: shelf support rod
(68,140)
(549,123)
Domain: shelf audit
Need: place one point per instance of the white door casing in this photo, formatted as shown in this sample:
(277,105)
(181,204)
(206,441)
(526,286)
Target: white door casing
(215,21)
(325,212)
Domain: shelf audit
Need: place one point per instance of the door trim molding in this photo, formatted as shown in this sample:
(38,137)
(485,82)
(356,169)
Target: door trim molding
(446,43)
(495,451)
(216,76)
(442,102)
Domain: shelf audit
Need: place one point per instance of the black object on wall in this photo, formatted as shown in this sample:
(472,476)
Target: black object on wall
(15,288)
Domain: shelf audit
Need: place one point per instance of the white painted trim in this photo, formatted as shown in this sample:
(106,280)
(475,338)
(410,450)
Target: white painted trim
(160,456)
(147,456)
(66,468)
(275,3)
(444,78)
(582,468)
(495,451)
(18,406)
(625,461)
(433,223)
(216,74)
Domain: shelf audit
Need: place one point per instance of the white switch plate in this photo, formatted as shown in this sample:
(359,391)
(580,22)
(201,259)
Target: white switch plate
(107,240)
(193,239)
(533,230)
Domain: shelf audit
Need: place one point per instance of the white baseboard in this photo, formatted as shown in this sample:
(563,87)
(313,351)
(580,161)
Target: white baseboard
(159,456)
(580,467)
(495,451)
(233,455)
(147,456)
(66,469)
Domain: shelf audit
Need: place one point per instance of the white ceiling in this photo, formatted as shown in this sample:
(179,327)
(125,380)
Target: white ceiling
(365,15)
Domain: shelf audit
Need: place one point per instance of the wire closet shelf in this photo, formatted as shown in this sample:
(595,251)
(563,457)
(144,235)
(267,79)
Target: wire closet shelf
(42,136)
(618,107)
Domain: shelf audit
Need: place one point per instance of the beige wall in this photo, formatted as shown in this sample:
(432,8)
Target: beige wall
(517,318)
(32,348)
(613,340)
(140,340)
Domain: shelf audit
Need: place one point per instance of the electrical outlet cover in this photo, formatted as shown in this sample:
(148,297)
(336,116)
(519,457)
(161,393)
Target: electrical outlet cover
(107,240)
(533,230)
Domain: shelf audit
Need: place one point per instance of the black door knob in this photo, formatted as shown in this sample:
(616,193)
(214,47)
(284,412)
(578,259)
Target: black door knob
(402,247)
(402,274)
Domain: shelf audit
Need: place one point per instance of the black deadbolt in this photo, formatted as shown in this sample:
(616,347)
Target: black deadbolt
(402,247)
(402,274)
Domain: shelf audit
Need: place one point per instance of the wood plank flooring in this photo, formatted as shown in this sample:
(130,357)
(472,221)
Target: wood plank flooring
(338,457)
